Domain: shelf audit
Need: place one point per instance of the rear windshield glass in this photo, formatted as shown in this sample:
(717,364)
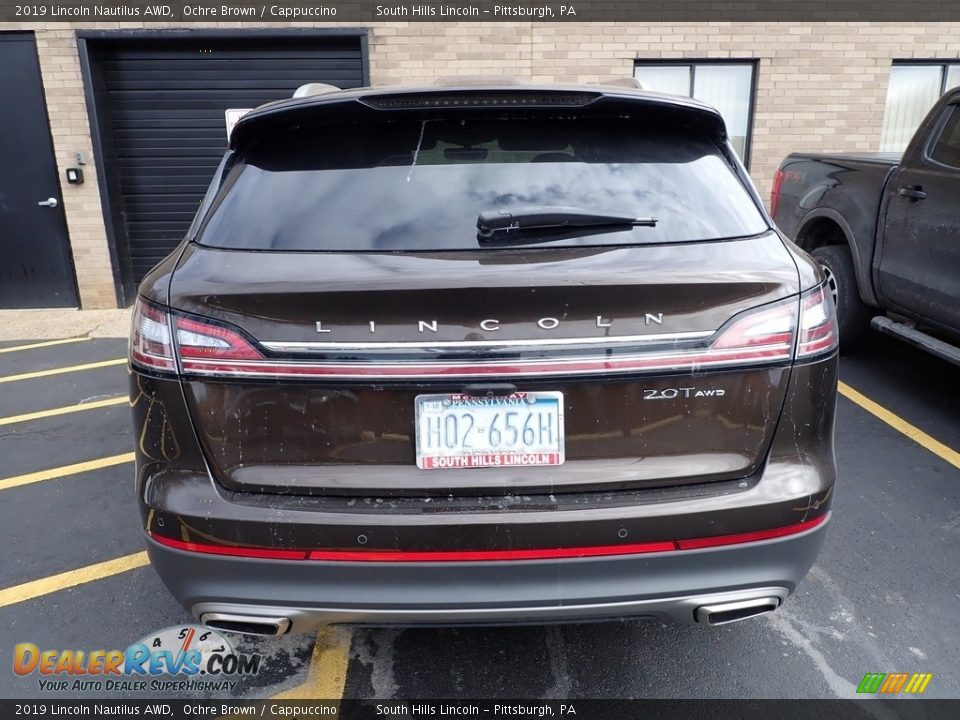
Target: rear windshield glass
(420,185)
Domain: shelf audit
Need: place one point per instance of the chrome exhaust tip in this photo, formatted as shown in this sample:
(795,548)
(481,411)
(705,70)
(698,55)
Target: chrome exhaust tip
(258,625)
(725,613)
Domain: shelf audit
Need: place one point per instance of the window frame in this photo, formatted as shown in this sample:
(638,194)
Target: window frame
(951,109)
(692,63)
(944,64)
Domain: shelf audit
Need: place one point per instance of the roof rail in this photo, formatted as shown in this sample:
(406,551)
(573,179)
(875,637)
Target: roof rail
(315,89)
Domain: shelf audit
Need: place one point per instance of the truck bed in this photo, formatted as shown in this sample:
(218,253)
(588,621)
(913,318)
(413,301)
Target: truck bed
(837,185)
(880,158)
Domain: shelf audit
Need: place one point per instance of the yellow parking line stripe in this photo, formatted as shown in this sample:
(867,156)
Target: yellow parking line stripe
(46,343)
(18,480)
(327,675)
(897,423)
(61,370)
(71,578)
(40,414)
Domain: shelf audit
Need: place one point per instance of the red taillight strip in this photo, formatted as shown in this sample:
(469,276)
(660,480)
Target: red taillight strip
(480,555)
(232,550)
(748,537)
(496,555)
(519,368)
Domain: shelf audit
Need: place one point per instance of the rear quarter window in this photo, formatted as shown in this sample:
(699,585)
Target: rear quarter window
(947,148)
(419,185)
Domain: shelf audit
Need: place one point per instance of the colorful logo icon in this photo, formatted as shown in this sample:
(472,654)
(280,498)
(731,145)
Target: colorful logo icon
(893,683)
(186,651)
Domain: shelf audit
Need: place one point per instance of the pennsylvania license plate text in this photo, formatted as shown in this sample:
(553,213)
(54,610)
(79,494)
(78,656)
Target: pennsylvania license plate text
(460,431)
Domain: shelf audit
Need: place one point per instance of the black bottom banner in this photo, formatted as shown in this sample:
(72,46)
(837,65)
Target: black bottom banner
(580,709)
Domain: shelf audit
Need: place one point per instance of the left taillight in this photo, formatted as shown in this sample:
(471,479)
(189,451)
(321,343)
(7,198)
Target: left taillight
(150,343)
(200,346)
(205,347)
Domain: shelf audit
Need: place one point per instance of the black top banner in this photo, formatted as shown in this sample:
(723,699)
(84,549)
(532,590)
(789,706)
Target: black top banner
(235,709)
(362,11)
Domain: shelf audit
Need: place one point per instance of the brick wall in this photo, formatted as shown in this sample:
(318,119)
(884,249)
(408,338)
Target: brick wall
(821,86)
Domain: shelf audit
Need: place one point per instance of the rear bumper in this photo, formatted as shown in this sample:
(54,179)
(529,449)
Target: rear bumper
(323,581)
(670,586)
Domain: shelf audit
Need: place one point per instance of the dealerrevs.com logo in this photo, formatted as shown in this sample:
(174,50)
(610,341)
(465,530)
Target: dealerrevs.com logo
(185,658)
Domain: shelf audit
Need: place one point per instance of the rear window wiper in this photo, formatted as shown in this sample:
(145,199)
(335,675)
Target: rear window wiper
(515,223)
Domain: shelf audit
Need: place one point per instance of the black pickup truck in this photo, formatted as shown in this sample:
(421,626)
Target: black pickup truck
(886,230)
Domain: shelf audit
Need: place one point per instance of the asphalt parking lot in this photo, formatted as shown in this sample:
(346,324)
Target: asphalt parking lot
(884,595)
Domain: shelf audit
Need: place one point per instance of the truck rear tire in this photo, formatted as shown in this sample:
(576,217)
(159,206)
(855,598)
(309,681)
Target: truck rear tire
(853,316)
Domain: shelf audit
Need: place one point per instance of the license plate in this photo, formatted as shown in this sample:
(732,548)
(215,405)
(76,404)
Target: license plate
(460,431)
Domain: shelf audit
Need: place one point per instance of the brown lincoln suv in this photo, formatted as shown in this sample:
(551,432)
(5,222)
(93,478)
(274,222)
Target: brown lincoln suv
(482,354)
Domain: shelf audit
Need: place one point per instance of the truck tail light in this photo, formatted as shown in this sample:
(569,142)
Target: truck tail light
(818,333)
(775,193)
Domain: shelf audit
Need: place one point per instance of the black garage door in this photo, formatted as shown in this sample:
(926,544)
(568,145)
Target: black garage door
(158,105)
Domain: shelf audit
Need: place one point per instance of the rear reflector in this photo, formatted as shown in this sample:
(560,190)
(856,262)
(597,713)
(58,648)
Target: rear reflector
(234,551)
(748,537)
(493,555)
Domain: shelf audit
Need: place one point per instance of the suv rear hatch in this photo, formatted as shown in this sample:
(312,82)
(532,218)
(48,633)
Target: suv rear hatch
(339,274)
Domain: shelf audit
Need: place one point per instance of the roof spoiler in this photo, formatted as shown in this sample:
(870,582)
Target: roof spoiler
(319,99)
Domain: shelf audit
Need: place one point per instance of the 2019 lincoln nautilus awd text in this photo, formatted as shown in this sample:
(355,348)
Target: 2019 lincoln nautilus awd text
(489,353)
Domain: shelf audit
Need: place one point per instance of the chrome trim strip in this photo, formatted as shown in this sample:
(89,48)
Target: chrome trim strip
(280,346)
(527,367)
(487,362)
(679,609)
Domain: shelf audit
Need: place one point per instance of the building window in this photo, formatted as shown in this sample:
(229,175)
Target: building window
(913,90)
(727,86)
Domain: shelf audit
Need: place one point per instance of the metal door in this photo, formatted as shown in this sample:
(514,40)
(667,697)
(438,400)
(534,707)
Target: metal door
(36,269)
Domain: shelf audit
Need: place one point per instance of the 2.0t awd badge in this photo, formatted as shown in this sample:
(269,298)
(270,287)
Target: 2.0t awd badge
(682,392)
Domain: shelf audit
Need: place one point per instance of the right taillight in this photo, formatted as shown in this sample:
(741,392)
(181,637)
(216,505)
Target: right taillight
(768,333)
(818,333)
(765,333)
(775,192)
